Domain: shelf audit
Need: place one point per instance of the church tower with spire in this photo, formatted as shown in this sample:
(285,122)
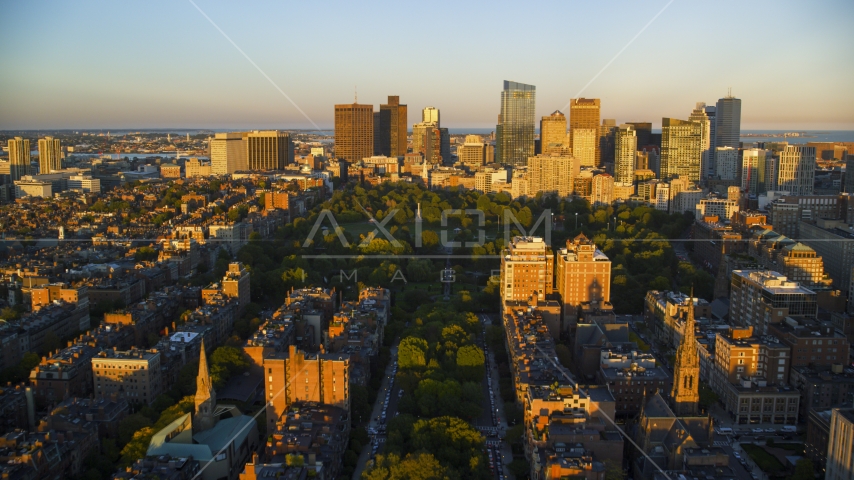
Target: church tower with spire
(686,371)
(205,396)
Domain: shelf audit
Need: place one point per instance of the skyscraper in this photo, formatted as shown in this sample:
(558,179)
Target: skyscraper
(753,170)
(584,114)
(625,147)
(699,115)
(607,134)
(797,170)
(728,122)
(584,143)
(428,140)
(515,129)
(19,157)
(727,163)
(431,115)
(354,131)
(268,150)
(553,133)
(228,154)
(680,149)
(849,174)
(711,112)
(643,130)
(50,155)
(391,131)
(472,153)
(840,445)
(686,369)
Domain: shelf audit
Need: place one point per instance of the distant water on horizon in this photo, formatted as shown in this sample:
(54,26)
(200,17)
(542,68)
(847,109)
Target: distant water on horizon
(808,136)
(773,135)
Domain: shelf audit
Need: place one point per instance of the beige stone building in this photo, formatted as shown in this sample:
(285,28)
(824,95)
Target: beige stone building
(527,269)
(134,374)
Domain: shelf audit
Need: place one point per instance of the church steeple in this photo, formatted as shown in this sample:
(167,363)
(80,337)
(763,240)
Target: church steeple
(205,396)
(686,371)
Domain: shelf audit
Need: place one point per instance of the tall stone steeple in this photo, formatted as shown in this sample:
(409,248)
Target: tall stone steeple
(686,371)
(205,396)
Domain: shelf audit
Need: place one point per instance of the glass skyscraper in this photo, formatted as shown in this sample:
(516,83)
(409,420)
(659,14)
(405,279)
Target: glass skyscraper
(515,129)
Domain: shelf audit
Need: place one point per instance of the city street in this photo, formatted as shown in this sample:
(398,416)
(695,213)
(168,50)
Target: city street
(493,403)
(380,415)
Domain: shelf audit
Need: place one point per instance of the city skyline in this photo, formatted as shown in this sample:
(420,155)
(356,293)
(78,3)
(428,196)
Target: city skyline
(191,75)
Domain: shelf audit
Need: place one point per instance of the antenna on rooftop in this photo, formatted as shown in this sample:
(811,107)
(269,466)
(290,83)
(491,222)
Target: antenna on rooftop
(355,94)
(729,92)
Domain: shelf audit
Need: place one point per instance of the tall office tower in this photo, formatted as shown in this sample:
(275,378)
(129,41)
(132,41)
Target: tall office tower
(797,170)
(753,170)
(553,133)
(644,131)
(711,112)
(472,153)
(728,122)
(726,159)
(849,174)
(686,370)
(515,129)
(584,143)
(680,149)
(19,158)
(431,115)
(228,155)
(840,445)
(50,155)
(427,139)
(391,131)
(445,145)
(527,269)
(584,114)
(354,131)
(625,149)
(699,116)
(772,169)
(582,275)
(607,140)
(268,150)
(552,174)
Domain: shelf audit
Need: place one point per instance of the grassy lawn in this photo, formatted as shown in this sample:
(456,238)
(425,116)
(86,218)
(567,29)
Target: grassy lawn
(641,344)
(767,462)
(795,447)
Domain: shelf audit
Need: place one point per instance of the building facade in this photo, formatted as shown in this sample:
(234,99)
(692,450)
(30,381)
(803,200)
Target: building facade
(681,152)
(354,131)
(553,133)
(796,173)
(527,269)
(390,133)
(50,154)
(515,129)
(625,147)
(584,114)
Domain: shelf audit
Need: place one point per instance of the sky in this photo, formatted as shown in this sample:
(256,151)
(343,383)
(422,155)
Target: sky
(163,64)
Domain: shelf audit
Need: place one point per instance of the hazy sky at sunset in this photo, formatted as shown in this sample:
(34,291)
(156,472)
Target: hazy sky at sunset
(152,64)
